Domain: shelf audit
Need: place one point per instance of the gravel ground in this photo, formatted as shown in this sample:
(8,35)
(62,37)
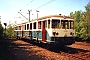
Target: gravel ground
(81,45)
(21,50)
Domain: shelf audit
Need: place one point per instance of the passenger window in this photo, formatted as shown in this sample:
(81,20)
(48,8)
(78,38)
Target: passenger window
(34,27)
(39,25)
(27,26)
(48,23)
(45,24)
(30,25)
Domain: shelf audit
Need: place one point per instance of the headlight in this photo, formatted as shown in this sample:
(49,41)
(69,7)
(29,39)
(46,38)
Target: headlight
(71,33)
(55,33)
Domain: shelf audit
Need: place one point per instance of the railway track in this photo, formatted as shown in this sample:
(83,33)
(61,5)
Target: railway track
(46,52)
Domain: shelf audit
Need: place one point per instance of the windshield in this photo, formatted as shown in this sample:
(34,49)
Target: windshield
(67,24)
(55,23)
(64,24)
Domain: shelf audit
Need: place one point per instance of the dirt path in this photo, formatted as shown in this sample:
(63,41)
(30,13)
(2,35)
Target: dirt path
(21,50)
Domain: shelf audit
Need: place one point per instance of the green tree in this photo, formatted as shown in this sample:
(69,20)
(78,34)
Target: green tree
(10,31)
(82,23)
(87,20)
(79,18)
(78,23)
(1,30)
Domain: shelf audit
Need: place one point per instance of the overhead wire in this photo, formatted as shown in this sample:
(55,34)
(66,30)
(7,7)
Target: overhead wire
(24,7)
(37,7)
(53,1)
(72,3)
(44,4)
(27,4)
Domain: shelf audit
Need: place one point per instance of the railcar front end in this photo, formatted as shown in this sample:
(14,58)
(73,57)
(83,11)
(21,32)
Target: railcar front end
(62,32)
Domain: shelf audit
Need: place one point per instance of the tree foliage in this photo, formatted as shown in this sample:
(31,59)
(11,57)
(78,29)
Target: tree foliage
(87,20)
(82,22)
(78,21)
(1,30)
(10,31)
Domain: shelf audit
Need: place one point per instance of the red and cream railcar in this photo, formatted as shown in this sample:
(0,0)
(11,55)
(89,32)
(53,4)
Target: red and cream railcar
(52,29)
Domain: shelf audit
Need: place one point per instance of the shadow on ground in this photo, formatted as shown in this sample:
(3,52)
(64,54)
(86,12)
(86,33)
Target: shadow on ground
(12,51)
(57,49)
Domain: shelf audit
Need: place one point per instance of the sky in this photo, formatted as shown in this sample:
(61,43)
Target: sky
(9,8)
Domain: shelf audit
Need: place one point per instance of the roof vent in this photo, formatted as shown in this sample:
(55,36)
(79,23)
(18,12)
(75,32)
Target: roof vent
(64,17)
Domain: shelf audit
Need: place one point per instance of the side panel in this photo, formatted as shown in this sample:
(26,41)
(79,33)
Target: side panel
(34,35)
(22,33)
(26,33)
(18,34)
(48,36)
(40,35)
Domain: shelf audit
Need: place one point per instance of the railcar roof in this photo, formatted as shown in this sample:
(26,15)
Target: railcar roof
(49,16)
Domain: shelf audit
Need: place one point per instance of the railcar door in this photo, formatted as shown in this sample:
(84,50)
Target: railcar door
(43,31)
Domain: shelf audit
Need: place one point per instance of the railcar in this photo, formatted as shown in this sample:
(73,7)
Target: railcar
(52,29)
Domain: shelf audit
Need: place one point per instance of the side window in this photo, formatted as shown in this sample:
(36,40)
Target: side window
(39,25)
(34,25)
(72,24)
(15,28)
(48,23)
(27,26)
(19,27)
(30,26)
(45,23)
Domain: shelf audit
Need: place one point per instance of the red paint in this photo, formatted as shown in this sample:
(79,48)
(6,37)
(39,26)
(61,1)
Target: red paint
(43,31)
